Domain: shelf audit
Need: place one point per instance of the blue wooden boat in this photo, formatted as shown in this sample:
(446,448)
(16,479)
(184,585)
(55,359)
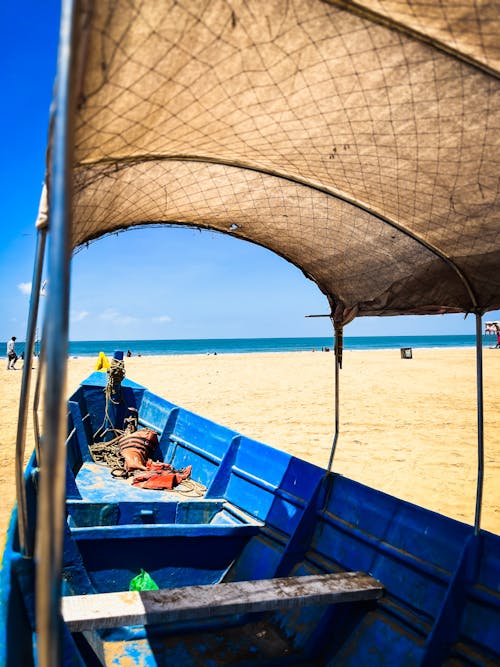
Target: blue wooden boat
(313,569)
(357,141)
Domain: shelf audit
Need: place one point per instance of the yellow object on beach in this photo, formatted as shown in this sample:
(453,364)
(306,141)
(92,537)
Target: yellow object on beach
(102,362)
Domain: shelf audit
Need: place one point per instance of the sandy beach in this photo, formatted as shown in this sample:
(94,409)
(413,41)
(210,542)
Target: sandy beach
(407,426)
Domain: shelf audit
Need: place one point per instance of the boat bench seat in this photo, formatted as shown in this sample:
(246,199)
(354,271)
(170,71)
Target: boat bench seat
(129,518)
(109,610)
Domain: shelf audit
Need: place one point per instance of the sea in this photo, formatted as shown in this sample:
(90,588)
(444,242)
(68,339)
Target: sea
(91,348)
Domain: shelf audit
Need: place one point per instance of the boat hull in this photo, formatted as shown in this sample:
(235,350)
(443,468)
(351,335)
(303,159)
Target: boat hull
(265,515)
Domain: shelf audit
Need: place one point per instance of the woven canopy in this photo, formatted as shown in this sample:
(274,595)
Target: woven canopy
(358,140)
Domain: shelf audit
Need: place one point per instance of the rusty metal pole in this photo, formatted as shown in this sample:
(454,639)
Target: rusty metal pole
(480,422)
(338,349)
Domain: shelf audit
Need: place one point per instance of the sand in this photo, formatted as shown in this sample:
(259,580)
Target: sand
(407,426)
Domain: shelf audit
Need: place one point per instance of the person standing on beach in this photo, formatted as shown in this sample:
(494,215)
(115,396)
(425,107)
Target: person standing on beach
(11,354)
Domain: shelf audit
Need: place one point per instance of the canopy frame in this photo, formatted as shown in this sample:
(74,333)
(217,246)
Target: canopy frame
(337,194)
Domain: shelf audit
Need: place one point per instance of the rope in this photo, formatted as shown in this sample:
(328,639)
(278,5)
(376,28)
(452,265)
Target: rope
(108,454)
(113,394)
(116,373)
(189,487)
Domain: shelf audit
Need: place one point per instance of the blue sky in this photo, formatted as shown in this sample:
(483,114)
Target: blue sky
(148,283)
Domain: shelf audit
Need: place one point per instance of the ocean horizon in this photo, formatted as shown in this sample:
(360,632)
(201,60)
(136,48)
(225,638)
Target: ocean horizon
(89,348)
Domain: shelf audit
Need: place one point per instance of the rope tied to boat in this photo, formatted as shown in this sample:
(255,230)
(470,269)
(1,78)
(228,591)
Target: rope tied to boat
(113,395)
(116,373)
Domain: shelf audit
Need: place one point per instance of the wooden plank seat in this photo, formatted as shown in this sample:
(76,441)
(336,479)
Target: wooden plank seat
(108,610)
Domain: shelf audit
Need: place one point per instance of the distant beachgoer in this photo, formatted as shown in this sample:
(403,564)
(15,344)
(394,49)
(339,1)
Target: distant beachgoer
(129,353)
(498,339)
(11,354)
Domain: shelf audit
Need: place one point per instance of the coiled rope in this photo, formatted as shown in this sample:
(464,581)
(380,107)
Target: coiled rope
(108,454)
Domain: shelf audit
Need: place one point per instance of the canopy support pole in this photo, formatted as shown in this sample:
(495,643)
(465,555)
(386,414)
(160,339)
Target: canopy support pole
(36,399)
(480,422)
(24,529)
(338,349)
(50,518)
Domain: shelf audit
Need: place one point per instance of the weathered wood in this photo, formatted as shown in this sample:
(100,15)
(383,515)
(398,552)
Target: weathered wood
(107,610)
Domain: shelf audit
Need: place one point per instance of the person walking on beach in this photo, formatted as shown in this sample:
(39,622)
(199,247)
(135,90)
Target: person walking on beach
(11,354)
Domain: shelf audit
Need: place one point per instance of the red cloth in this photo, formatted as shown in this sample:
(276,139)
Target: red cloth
(161,476)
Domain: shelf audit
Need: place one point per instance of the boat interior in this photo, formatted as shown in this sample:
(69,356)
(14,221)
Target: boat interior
(264,515)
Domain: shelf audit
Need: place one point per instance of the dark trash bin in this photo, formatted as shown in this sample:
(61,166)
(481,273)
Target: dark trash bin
(406,353)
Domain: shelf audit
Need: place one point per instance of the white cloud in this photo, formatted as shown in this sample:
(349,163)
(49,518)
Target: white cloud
(25,288)
(113,315)
(109,314)
(125,319)
(79,316)
(161,318)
